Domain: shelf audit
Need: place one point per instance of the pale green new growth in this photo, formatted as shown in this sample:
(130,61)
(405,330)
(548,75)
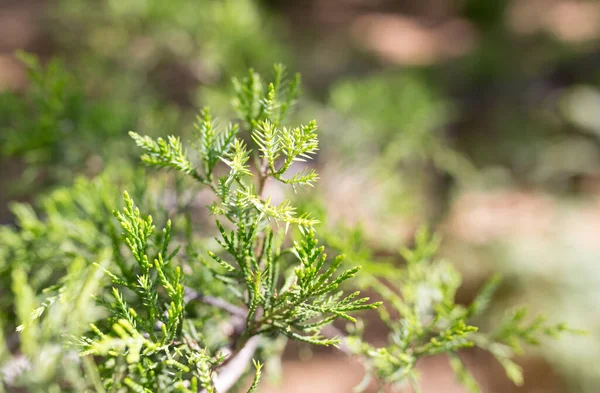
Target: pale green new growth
(291,291)
(196,320)
(432,323)
(164,153)
(308,298)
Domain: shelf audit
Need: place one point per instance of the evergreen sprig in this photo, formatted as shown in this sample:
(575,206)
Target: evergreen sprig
(431,322)
(195,321)
(309,297)
(256,101)
(164,153)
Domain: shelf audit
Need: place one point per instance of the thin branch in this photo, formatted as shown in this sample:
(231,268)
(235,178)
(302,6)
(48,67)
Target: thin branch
(235,368)
(263,175)
(191,295)
(328,331)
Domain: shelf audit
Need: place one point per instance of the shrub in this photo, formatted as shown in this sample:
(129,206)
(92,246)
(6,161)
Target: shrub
(169,309)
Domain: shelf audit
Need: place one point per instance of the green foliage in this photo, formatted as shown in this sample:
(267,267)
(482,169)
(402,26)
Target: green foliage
(230,35)
(43,362)
(430,322)
(393,105)
(147,330)
(52,96)
(256,102)
(308,298)
(395,124)
(58,131)
(73,120)
(164,153)
(72,225)
(167,311)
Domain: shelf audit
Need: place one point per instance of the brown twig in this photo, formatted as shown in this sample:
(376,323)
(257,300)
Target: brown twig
(263,175)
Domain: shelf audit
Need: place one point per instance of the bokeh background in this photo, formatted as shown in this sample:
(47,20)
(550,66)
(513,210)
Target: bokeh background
(480,118)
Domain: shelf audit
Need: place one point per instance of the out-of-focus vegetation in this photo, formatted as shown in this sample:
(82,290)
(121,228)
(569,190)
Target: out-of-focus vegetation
(477,117)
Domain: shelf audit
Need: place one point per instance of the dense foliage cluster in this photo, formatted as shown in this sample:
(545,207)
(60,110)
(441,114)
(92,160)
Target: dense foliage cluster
(106,302)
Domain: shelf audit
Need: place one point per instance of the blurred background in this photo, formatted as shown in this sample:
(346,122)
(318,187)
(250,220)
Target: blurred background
(480,118)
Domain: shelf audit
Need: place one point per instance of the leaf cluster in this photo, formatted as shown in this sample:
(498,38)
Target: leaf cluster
(150,348)
(424,320)
(152,323)
(307,298)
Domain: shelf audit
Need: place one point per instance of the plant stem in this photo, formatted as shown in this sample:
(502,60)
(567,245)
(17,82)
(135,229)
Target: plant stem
(234,369)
